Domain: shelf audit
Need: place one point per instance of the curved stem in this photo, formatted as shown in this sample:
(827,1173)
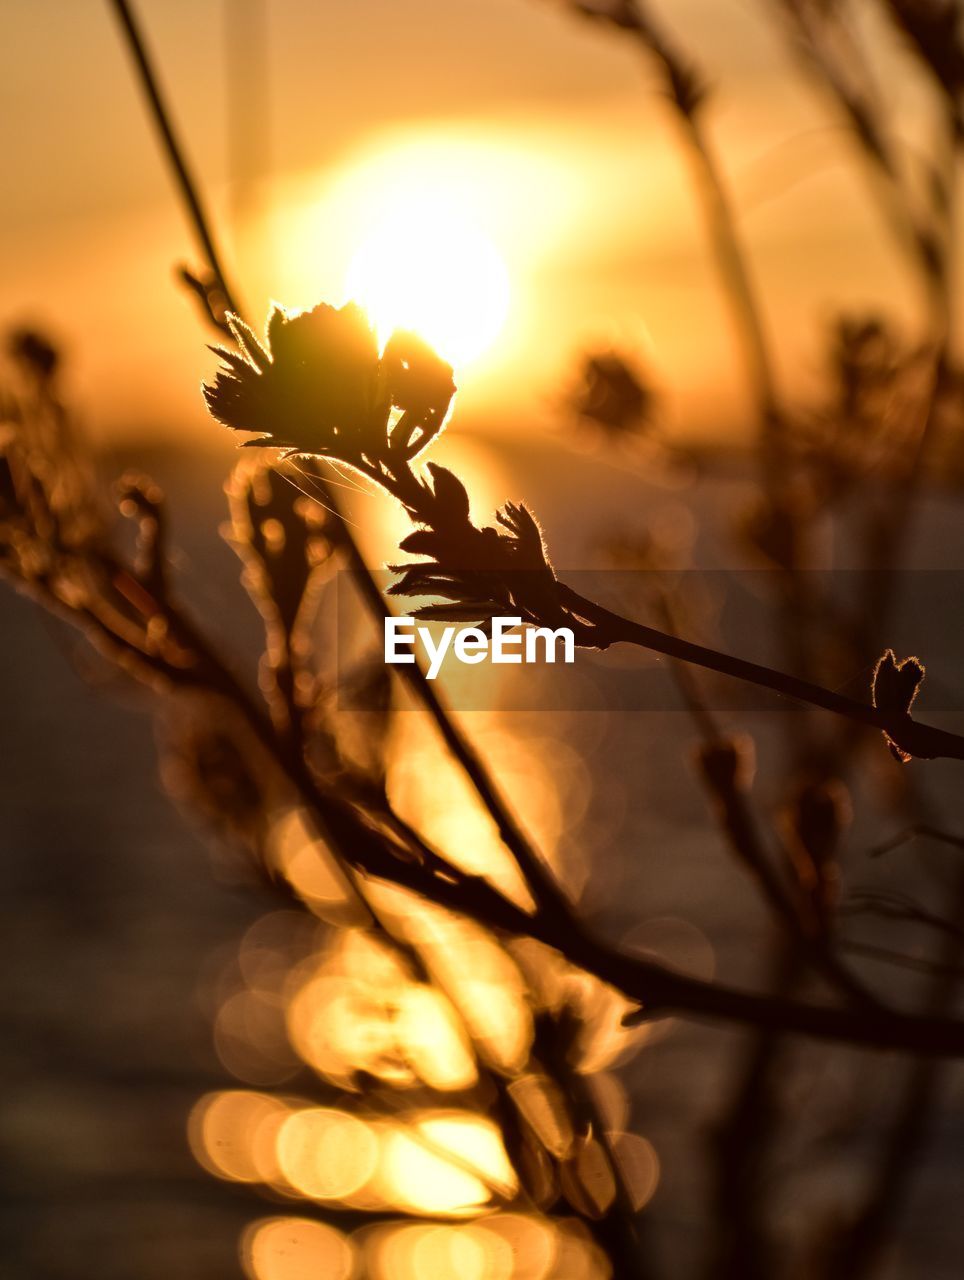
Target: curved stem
(927,742)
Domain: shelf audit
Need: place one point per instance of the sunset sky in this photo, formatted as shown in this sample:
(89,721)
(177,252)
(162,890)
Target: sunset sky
(313,125)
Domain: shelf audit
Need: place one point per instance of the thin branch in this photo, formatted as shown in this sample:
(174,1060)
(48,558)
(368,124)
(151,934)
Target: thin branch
(836,65)
(857,1251)
(364,845)
(900,959)
(687,93)
(741,829)
(657,989)
(926,742)
(545,890)
(924,829)
(897,906)
(161,115)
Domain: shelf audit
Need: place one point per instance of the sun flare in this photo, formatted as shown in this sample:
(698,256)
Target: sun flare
(429,267)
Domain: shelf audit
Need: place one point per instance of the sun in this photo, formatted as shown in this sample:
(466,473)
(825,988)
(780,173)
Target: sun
(427,265)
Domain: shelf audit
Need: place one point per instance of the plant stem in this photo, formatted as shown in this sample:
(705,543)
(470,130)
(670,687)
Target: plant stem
(364,845)
(924,741)
(546,893)
(188,188)
(545,890)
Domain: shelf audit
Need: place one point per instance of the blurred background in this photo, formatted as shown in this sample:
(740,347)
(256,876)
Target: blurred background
(508,180)
(323,132)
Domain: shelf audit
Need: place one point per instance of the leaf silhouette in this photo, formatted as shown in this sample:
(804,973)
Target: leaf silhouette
(451,497)
(895,687)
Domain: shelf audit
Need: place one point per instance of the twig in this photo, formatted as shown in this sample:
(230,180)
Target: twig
(546,892)
(918,829)
(893,906)
(741,1140)
(926,742)
(811,24)
(596,627)
(741,830)
(857,1250)
(188,188)
(363,844)
(687,92)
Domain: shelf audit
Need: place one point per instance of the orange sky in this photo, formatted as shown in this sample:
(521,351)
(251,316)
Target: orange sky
(585,194)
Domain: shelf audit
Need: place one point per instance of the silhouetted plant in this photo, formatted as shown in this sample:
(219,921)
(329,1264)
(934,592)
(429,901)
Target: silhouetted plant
(280,772)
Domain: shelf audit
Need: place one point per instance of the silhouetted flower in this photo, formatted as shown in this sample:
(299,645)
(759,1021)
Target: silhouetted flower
(420,384)
(318,385)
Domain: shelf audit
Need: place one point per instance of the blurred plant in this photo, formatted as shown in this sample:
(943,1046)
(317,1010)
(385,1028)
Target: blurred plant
(613,397)
(439,1032)
(241,767)
(859,463)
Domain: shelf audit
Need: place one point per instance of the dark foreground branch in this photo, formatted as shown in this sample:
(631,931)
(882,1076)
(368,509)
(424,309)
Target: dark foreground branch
(923,741)
(659,991)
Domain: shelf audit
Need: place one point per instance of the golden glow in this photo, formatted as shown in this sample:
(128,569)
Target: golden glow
(304,861)
(417,1252)
(249,1036)
(295,1249)
(427,266)
(434,1042)
(465,1254)
(445,1163)
(532,1242)
(639,1166)
(546,779)
(232,1134)
(578,1257)
(543,1105)
(436,229)
(502,1246)
(359,1010)
(339,1027)
(326,1154)
(477,975)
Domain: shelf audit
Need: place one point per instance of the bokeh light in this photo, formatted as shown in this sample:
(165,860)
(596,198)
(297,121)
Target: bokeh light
(233,1134)
(446,1163)
(296,1249)
(326,1154)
